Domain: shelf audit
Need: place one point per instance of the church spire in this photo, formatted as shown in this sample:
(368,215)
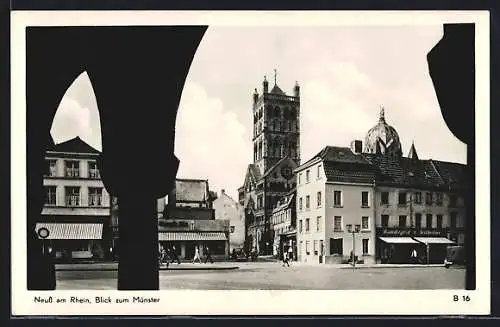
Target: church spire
(413,152)
(275,77)
(382,115)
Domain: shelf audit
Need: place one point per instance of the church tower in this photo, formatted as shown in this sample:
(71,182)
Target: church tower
(276,125)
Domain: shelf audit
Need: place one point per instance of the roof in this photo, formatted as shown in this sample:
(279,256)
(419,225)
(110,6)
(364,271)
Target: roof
(255,171)
(276,90)
(191,190)
(75,145)
(273,167)
(285,202)
(338,154)
(413,152)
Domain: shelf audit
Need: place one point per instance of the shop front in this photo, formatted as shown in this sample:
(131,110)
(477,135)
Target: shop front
(411,246)
(286,241)
(72,241)
(185,243)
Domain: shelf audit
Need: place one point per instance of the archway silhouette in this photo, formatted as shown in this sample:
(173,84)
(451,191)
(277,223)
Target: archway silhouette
(137,80)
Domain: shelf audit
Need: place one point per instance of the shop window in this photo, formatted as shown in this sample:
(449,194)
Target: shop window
(384,198)
(365,246)
(385,220)
(336,246)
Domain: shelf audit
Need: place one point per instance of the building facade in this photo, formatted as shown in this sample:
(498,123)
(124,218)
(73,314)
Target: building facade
(284,223)
(226,208)
(276,152)
(75,221)
(383,207)
(335,193)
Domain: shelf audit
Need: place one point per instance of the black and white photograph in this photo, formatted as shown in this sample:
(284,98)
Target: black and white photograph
(272,157)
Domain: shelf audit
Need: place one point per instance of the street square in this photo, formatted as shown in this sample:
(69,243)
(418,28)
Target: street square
(273,276)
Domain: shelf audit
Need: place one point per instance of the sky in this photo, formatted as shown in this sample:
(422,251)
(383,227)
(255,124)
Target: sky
(345,73)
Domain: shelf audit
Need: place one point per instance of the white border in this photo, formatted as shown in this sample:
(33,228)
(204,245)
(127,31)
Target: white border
(434,302)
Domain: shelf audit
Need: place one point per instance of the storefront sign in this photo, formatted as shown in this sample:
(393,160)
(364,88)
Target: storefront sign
(407,232)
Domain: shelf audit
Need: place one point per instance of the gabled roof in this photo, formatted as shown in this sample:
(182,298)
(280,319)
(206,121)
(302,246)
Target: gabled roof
(289,199)
(255,171)
(413,152)
(192,190)
(75,145)
(338,154)
(277,164)
(276,90)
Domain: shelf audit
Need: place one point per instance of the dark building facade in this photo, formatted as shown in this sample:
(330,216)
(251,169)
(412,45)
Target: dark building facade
(276,152)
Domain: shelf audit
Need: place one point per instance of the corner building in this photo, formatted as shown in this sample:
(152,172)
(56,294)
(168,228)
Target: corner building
(276,153)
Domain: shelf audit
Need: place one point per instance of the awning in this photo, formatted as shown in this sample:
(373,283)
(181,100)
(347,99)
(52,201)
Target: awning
(192,236)
(398,240)
(434,240)
(69,231)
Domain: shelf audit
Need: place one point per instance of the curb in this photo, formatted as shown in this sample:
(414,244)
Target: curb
(161,268)
(388,267)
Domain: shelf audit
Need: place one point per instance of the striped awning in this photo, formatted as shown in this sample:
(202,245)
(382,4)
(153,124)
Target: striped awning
(192,236)
(434,240)
(398,240)
(69,231)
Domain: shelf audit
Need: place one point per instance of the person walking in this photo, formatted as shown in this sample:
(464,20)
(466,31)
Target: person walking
(208,256)
(196,255)
(414,256)
(175,257)
(285,259)
(290,253)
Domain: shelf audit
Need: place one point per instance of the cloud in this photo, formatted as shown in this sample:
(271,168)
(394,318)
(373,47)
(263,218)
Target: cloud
(209,141)
(74,119)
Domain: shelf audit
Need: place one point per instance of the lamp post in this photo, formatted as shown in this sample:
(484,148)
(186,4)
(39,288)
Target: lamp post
(356,229)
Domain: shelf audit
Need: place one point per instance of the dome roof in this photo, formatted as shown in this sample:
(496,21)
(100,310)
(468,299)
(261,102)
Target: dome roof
(383,138)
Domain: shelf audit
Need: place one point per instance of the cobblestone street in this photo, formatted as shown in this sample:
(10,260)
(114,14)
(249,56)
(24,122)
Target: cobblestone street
(271,275)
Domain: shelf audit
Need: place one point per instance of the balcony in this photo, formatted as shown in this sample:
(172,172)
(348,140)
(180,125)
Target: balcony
(72,172)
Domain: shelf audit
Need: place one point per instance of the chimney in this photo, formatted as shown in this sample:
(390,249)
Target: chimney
(357,146)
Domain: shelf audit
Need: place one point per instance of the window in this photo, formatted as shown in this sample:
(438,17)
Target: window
(418,197)
(72,196)
(95,196)
(307,224)
(50,195)
(428,198)
(300,178)
(365,246)
(72,168)
(418,220)
(260,201)
(453,219)
(337,198)
(402,221)
(93,171)
(402,198)
(300,226)
(308,173)
(365,223)
(348,227)
(318,223)
(336,246)
(315,246)
(364,199)
(232,229)
(319,199)
(308,247)
(318,175)
(384,198)
(300,247)
(385,220)
(51,168)
(308,202)
(428,221)
(300,204)
(439,199)
(439,221)
(337,224)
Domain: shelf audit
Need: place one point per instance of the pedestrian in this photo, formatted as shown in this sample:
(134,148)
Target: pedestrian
(175,257)
(196,255)
(285,259)
(290,253)
(414,256)
(208,256)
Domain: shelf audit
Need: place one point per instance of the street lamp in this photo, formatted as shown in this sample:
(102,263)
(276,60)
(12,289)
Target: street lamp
(356,229)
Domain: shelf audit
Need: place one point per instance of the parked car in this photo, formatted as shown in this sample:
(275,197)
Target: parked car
(455,255)
(239,255)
